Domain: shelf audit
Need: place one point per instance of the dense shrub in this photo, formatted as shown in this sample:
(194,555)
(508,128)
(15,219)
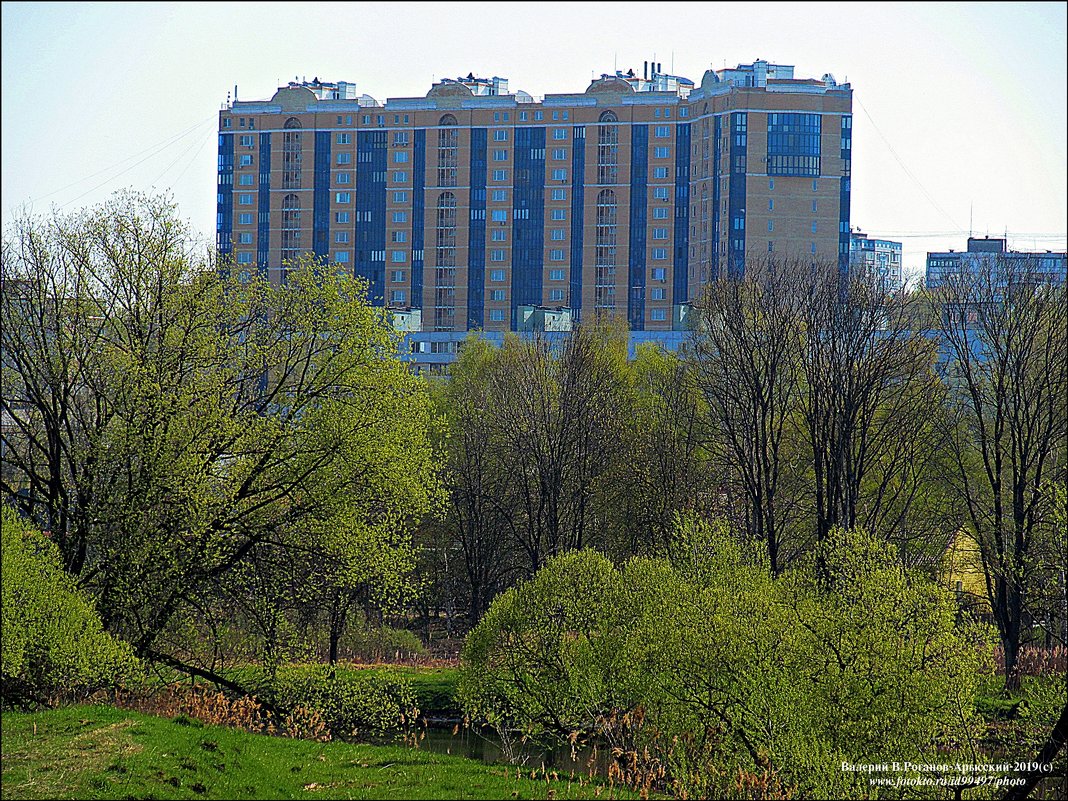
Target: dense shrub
(727,678)
(353,703)
(53,643)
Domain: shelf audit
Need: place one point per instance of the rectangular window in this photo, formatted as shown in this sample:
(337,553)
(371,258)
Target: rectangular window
(400,177)
(343,197)
(814,207)
(500,195)
(500,175)
(244,258)
(247,140)
(400,197)
(246,160)
(771,205)
(813,226)
(396,276)
(659,254)
(497,275)
(556,295)
(244,200)
(539,115)
(559,214)
(400,156)
(559,133)
(400,216)
(559,175)
(343,178)
(244,239)
(400,138)
(559,194)
(556,255)
(398,256)
(497,255)
(661,152)
(344,158)
(344,139)
(341,237)
(557,234)
(499,235)
(556,275)
(660,192)
(245,180)
(660,213)
(500,136)
(559,154)
(658,314)
(659,273)
(771,226)
(398,297)
(662,131)
(244,219)
(660,233)
(660,172)
(499,215)
(497,315)
(341,256)
(498,295)
(341,217)
(500,155)
(398,236)
(657,293)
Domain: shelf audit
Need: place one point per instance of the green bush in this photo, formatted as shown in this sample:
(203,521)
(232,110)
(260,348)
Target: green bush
(354,703)
(729,677)
(52,642)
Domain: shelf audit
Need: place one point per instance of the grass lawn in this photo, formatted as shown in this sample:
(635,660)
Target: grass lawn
(104,752)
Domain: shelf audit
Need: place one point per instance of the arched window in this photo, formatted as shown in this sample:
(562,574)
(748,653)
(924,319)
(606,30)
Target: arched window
(448,150)
(291,154)
(605,250)
(608,150)
(445,263)
(291,244)
(608,116)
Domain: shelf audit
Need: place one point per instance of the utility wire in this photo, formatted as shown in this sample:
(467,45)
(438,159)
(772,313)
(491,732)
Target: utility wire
(166,142)
(908,172)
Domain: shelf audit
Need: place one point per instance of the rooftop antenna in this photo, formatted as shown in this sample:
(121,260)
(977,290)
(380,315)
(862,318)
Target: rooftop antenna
(672,62)
(971,215)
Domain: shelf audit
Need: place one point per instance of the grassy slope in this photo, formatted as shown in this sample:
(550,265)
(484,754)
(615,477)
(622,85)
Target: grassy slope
(103,752)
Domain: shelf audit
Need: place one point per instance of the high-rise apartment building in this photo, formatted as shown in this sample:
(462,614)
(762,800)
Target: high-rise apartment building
(880,258)
(479,208)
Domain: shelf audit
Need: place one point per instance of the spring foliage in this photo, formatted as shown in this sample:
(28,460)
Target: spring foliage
(52,639)
(718,668)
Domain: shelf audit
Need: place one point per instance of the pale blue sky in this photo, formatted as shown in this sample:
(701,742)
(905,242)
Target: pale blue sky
(959,109)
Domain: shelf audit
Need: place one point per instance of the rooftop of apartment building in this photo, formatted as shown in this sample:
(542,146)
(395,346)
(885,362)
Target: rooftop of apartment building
(989,244)
(473,91)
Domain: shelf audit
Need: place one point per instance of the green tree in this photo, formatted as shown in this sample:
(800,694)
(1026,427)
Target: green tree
(174,420)
(53,643)
(712,666)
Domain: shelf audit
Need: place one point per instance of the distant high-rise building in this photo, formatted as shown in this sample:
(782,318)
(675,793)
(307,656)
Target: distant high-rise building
(992,254)
(479,208)
(881,257)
